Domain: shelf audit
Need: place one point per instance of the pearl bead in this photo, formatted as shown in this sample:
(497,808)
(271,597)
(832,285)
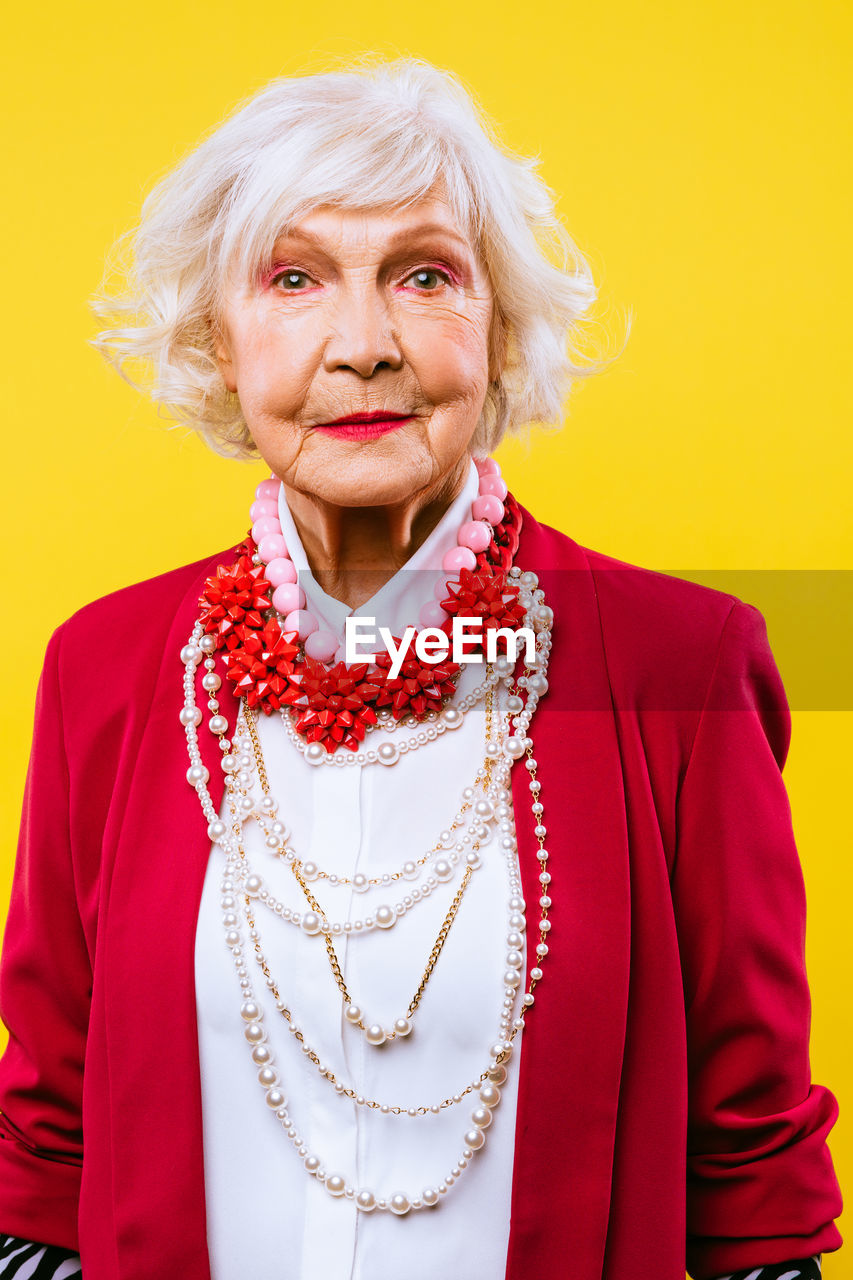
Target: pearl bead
(210,682)
(360,882)
(218,724)
(335,1184)
(254,884)
(399,1203)
(311,922)
(190,715)
(410,871)
(388,753)
(514,747)
(190,654)
(207,644)
(312,1163)
(489,1095)
(497,1074)
(482,1117)
(310,870)
(375,1034)
(261,1055)
(365,1200)
(315,753)
(402,1027)
(429,1195)
(385,917)
(352,1013)
(515,960)
(250,1011)
(254,1033)
(268,1076)
(474,1138)
(216,830)
(516,903)
(442,869)
(451,717)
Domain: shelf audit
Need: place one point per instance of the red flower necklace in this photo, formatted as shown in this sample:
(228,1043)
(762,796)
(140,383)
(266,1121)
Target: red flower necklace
(276,656)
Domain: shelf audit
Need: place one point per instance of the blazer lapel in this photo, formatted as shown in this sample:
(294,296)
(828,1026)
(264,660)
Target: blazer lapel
(572,1045)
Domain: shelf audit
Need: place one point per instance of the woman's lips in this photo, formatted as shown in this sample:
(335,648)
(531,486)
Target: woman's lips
(362,426)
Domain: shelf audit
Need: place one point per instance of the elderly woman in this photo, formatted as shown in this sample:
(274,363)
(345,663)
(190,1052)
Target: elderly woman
(333,963)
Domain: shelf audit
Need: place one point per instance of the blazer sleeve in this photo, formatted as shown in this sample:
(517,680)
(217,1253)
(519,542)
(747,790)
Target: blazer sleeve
(760,1181)
(45,991)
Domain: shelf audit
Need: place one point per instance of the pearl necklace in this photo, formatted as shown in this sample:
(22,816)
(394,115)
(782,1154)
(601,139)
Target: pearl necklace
(443,856)
(315,921)
(515,940)
(487,1085)
(512,747)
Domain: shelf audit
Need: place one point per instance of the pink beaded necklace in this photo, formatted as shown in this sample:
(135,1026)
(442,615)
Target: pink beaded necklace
(277,655)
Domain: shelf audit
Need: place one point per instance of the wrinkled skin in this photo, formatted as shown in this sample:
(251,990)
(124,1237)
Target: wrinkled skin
(364,310)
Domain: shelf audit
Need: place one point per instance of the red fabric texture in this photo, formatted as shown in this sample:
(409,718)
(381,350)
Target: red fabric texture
(666,1111)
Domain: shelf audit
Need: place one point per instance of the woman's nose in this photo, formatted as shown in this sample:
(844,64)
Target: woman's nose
(362,335)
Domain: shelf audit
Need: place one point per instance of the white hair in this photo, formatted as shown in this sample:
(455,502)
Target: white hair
(381,135)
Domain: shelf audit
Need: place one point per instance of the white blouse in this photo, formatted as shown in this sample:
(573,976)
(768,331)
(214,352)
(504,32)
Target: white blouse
(266,1215)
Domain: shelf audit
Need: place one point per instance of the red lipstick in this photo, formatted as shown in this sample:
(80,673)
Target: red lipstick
(364,426)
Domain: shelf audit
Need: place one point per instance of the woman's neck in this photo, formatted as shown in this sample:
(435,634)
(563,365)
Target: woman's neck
(353,551)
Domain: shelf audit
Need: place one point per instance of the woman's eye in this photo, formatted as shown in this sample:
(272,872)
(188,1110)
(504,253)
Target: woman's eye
(291,281)
(427,279)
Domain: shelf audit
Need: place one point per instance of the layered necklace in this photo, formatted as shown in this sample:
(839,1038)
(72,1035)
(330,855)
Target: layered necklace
(239,617)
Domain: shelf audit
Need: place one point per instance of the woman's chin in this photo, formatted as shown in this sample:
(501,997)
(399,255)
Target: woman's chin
(363,475)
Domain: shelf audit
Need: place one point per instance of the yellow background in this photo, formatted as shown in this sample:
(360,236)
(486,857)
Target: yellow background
(700,152)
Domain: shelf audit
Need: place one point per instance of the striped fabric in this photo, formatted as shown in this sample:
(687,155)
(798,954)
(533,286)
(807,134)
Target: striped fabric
(26,1261)
(803,1269)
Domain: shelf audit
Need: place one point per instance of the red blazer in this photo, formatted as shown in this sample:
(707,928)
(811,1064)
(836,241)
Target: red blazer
(665,1105)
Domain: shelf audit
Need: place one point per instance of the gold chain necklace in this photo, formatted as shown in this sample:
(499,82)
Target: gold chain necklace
(374,1033)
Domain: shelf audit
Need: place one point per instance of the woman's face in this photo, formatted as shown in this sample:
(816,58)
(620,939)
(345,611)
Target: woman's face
(365,312)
